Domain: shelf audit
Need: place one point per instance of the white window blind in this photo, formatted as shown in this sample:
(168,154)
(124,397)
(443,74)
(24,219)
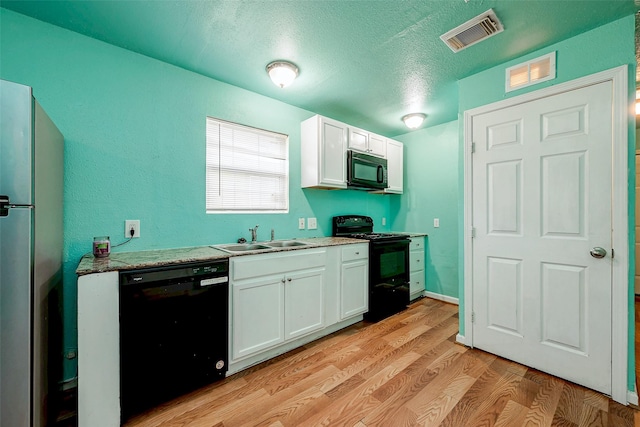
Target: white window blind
(247,169)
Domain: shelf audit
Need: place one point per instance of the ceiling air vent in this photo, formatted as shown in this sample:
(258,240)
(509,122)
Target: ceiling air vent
(473,31)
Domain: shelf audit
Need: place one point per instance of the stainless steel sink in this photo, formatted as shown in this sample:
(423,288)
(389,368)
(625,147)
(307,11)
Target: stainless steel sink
(285,243)
(264,246)
(243,247)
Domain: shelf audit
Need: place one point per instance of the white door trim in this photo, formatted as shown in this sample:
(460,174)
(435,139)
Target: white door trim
(620,275)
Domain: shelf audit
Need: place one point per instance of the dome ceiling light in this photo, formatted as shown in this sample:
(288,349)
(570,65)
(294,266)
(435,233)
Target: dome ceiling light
(282,73)
(414,120)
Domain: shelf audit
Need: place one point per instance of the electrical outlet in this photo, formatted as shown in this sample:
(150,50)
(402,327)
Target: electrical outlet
(312,223)
(300,223)
(132,224)
(436,222)
(384,221)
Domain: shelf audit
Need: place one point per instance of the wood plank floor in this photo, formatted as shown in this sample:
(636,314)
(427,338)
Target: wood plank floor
(403,371)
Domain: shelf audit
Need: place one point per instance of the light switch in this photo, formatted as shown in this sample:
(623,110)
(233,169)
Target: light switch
(312,223)
(436,222)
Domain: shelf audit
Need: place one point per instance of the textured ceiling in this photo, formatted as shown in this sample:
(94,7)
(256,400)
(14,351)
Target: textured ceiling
(363,62)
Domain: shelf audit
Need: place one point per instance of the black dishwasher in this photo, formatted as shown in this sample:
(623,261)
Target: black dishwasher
(173,332)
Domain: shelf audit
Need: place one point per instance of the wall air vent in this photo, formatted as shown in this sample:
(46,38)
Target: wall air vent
(473,31)
(528,73)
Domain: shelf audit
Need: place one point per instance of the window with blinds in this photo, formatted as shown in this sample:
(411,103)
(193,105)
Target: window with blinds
(247,169)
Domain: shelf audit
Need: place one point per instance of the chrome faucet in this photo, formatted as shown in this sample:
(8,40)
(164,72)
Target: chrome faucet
(254,234)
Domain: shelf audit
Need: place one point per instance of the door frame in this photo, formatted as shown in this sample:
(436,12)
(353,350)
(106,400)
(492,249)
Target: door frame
(620,267)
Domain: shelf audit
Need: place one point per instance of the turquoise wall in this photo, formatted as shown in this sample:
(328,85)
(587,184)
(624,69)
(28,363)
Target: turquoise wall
(606,47)
(134,133)
(431,191)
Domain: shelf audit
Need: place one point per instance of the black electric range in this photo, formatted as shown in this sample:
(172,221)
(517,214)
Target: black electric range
(388,264)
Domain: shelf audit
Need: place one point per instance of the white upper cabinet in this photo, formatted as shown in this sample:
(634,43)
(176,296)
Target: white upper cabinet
(358,139)
(377,145)
(323,153)
(324,144)
(366,142)
(395,167)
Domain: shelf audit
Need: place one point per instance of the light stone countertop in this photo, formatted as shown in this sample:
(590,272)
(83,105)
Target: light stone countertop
(118,261)
(410,233)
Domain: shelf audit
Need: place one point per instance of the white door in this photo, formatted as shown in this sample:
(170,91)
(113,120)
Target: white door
(304,303)
(542,189)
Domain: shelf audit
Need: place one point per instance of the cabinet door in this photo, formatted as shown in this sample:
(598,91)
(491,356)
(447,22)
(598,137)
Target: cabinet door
(304,302)
(358,139)
(377,145)
(258,316)
(395,167)
(354,292)
(333,159)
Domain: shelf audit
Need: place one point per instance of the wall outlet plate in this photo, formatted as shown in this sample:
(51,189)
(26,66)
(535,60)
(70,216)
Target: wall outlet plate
(312,223)
(300,223)
(131,224)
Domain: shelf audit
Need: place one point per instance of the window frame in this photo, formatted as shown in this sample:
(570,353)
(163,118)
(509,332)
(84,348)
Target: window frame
(211,166)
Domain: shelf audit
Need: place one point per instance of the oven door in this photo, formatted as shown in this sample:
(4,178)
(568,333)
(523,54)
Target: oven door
(389,262)
(366,171)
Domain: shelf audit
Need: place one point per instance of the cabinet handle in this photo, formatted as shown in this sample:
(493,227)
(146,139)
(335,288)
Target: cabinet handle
(282,280)
(357,253)
(289,279)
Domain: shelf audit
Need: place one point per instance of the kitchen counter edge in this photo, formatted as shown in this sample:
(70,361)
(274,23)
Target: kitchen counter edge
(120,261)
(410,233)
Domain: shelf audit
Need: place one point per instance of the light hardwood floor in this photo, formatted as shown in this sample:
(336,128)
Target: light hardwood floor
(403,371)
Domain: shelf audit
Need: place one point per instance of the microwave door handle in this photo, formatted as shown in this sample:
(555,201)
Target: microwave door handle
(380,174)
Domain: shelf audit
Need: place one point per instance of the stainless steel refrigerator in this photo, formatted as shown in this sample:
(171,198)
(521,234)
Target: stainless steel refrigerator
(31,184)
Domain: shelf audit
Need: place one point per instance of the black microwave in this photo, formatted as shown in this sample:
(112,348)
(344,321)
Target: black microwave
(366,172)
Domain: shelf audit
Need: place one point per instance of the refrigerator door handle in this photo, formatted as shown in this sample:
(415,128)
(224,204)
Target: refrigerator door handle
(5,205)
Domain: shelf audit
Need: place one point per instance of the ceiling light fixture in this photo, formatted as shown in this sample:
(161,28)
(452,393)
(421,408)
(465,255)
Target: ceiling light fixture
(414,120)
(282,73)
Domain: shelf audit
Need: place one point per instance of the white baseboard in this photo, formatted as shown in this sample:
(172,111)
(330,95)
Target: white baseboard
(440,297)
(460,339)
(632,397)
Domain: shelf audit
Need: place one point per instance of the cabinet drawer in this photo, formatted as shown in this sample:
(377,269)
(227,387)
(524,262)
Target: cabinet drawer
(416,281)
(416,260)
(248,266)
(417,244)
(354,252)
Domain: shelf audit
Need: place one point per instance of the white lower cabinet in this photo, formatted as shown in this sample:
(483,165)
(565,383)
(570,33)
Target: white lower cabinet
(275,298)
(304,303)
(416,267)
(98,350)
(258,316)
(354,281)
